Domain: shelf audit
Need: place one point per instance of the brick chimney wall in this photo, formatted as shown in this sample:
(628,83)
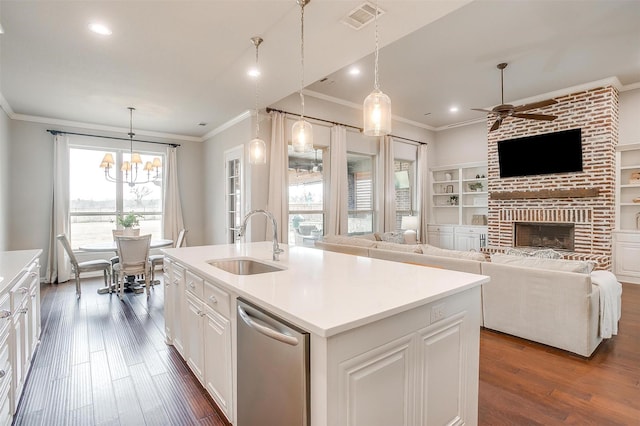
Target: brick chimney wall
(596,113)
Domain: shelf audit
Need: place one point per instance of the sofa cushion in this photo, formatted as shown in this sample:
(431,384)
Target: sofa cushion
(539,263)
(371,237)
(407,248)
(352,241)
(437,251)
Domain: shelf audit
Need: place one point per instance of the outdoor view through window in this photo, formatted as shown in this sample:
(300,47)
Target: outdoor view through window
(94,201)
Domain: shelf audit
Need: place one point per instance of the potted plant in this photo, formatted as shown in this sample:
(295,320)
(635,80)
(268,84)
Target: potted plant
(453,200)
(128,222)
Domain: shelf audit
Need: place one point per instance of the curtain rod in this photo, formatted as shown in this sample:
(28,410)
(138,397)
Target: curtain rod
(60,132)
(269,109)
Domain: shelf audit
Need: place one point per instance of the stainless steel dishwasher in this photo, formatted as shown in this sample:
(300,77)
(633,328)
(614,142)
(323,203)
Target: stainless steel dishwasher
(273,370)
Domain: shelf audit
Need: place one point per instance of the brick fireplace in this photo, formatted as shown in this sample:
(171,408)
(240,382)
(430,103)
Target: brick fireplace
(584,199)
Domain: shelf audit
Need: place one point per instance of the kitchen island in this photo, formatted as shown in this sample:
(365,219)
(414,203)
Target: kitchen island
(390,343)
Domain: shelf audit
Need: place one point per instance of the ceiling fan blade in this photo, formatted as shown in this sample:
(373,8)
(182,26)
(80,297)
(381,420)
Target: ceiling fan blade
(536,116)
(535,105)
(496,124)
(483,110)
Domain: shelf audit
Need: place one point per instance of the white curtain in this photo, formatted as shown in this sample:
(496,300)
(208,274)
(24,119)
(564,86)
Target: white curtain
(337,222)
(173,221)
(278,201)
(389,185)
(423,192)
(58,264)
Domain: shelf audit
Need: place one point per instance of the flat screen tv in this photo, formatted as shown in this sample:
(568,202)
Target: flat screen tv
(558,152)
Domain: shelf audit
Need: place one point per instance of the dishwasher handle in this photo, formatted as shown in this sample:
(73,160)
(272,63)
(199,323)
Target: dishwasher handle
(267,331)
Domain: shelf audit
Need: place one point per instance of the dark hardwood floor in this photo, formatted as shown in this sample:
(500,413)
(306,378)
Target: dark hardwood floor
(104,362)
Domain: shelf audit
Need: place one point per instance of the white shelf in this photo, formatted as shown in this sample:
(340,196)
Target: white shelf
(467,209)
(446,207)
(475,193)
(475,206)
(446,193)
(630,204)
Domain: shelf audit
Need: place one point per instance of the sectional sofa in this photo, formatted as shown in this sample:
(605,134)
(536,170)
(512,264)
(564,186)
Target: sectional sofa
(550,301)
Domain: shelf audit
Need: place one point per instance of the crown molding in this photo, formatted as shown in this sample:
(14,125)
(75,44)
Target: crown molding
(221,128)
(91,126)
(5,106)
(632,86)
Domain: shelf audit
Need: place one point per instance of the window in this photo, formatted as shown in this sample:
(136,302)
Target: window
(95,202)
(306,197)
(404,184)
(360,203)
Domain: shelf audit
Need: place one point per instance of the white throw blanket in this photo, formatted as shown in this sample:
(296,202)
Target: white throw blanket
(610,302)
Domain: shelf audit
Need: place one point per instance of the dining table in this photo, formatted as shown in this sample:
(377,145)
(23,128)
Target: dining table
(107,246)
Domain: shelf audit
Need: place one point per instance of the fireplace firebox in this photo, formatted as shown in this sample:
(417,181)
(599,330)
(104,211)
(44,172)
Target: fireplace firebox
(557,236)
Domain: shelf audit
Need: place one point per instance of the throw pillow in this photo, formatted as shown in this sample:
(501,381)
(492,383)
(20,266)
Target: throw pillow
(371,237)
(409,248)
(515,252)
(536,262)
(436,251)
(393,237)
(546,254)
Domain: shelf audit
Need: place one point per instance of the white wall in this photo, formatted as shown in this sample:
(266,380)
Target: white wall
(629,131)
(465,144)
(30,185)
(5,161)
(256,179)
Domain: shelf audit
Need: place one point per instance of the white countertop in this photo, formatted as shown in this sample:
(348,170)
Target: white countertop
(324,292)
(13,262)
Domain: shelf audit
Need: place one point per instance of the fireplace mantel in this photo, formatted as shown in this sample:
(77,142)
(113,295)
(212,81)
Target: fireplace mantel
(545,193)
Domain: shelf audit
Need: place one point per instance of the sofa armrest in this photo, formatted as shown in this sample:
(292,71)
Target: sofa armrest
(343,248)
(555,308)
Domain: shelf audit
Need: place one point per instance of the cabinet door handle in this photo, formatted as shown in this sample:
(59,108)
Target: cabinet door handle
(5,314)
(2,373)
(23,290)
(191,284)
(23,310)
(213,300)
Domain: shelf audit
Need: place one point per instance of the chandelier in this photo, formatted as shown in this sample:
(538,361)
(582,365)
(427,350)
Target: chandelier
(130,168)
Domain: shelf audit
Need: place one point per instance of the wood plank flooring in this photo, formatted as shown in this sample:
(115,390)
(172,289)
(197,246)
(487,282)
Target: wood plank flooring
(104,362)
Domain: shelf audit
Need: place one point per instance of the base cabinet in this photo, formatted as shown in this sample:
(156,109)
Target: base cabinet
(429,376)
(197,317)
(626,256)
(19,325)
(457,237)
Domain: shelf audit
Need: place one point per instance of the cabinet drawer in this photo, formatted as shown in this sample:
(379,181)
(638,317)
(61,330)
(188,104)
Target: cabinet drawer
(5,400)
(195,284)
(438,228)
(5,317)
(217,299)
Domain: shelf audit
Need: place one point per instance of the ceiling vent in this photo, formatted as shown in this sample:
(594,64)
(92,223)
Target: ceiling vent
(362,15)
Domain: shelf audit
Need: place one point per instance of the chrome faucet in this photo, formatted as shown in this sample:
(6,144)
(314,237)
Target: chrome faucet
(274,225)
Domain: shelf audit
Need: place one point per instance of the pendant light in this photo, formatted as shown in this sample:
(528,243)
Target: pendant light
(257,147)
(301,132)
(377,106)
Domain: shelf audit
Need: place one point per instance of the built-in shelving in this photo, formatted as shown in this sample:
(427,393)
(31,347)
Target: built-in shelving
(459,194)
(626,240)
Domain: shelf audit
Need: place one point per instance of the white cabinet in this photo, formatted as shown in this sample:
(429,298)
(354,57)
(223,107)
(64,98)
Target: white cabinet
(626,243)
(197,316)
(626,256)
(459,194)
(470,237)
(428,376)
(19,324)
(441,236)
(454,237)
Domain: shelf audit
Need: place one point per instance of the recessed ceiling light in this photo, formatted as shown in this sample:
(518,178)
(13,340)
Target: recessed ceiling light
(99,29)
(354,71)
(453,109)
(253,72)
(1,30)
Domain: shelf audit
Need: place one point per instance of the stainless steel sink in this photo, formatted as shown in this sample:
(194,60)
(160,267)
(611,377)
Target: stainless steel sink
(244,266)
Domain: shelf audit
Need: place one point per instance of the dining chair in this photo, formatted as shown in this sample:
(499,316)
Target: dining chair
(158,259)
(134,260)
(87,266)
(115,259)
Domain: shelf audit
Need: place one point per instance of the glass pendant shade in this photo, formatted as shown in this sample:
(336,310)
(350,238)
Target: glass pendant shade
(377,114)
(257,151)
(302,136)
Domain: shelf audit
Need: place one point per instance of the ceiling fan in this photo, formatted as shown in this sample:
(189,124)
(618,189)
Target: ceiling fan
(503,110)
